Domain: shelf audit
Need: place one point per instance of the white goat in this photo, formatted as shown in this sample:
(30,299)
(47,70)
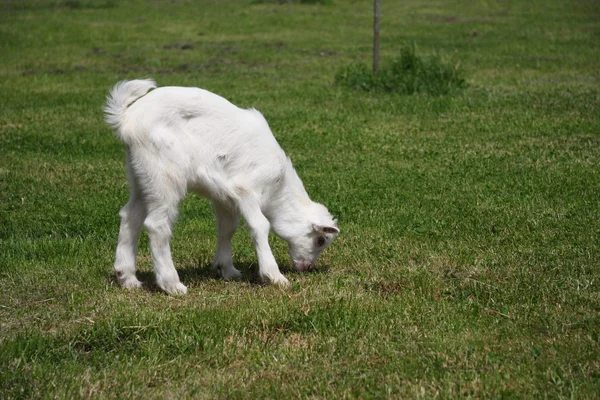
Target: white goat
(179,139)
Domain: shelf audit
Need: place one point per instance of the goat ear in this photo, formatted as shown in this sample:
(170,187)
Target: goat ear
(326,229)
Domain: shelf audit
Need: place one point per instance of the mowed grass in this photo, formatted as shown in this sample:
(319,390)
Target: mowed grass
(468,262)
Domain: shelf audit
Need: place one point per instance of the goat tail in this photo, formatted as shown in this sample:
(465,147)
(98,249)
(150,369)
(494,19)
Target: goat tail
(121,96)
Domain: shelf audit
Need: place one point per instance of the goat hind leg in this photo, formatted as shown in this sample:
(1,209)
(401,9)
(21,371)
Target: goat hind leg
(159,223)
(132,218)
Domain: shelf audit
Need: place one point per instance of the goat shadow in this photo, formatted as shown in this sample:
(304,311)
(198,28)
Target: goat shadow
(198,273)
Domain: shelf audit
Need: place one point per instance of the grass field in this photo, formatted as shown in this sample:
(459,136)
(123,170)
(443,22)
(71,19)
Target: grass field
(468,263)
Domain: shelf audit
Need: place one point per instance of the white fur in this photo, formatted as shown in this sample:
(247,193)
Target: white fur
(179,139)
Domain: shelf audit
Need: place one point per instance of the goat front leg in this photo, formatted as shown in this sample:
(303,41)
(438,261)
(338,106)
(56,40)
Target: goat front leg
(268,270)
(227,222)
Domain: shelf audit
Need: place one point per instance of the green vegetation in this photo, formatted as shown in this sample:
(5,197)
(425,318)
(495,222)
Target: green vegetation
(293,1)
(467,265)
(408,74)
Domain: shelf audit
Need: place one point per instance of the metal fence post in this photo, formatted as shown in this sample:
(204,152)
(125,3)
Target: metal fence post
(376,37)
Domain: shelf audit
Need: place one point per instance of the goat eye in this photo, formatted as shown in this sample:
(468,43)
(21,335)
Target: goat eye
(320,241)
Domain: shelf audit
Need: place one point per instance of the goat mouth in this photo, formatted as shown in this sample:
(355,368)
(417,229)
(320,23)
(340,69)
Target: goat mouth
(304,266)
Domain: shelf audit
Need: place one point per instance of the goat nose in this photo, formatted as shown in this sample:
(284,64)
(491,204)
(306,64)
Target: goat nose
(304,266)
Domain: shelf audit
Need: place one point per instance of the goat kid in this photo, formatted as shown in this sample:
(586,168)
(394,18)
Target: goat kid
(179,139)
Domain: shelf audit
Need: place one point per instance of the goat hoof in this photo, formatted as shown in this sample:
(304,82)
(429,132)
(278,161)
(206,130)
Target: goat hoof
(278,280)
(174,289)
(229,274)
(130,283)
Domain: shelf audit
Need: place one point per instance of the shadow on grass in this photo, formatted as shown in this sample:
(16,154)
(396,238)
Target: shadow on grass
(197,273)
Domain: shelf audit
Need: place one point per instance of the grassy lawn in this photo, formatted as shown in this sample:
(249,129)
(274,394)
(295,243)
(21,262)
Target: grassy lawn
(468,262)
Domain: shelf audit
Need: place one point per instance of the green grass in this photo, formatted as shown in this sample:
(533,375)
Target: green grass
(467,265)
(408,74)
